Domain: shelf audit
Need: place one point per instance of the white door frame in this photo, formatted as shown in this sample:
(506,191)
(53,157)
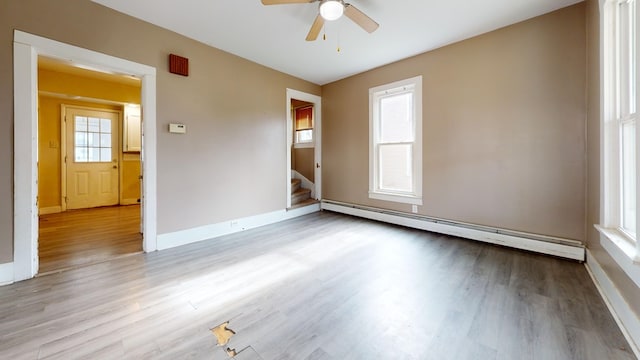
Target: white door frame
(317,139)
(26,49)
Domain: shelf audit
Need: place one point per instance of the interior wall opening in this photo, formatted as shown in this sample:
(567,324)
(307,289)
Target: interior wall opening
(89,166)
(304,148)
(303,153)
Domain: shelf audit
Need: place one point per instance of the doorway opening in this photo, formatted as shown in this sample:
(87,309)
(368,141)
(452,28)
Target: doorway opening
(27,49)
(85,162)
(304,119)
(88,159)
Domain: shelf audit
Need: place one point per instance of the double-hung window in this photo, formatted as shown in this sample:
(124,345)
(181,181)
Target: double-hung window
(303,135)
(395,141)
(619,217)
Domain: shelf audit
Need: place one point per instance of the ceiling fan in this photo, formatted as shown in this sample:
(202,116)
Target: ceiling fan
(330,10)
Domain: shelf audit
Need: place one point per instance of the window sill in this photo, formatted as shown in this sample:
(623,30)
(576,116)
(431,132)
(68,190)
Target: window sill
(406,199)
(622,251)
(303,145)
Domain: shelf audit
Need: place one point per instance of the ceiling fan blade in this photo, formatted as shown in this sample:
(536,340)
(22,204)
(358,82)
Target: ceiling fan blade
(315,28)
(278,2)
(360,18)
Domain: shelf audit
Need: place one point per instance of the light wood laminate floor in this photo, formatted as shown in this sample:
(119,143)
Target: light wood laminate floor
(80,237)
(323,286)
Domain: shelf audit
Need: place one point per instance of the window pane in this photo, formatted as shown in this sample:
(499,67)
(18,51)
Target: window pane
(629,177)
(105,154)
(93,139)
(94,125)
(396,118)
(105,140)
(81,154)
(304,136)
(81,138)
(631,54)
(94,154)
(105,126)
(81,123)
(395,167)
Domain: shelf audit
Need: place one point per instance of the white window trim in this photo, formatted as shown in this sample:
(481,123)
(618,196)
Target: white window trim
(623,249)
(374,192)
(303,145)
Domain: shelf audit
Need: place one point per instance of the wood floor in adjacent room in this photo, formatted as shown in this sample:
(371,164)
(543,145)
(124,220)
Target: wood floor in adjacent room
(323,286)
(80,237)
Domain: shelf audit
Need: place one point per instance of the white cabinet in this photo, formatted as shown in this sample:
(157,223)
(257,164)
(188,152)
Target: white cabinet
(131,136)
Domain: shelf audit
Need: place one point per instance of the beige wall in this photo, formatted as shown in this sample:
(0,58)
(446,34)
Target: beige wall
(624,284)
(234,111)
(503,120)
(303,162)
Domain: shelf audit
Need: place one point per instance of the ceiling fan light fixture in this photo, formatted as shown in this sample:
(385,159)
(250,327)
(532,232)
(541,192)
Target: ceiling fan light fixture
(331,9)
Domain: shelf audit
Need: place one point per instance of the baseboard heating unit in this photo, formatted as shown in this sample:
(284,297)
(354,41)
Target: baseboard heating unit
(566,248)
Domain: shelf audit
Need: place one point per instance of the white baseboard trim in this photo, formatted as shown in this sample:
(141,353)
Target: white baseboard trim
(6,274)
(570,249)
(624,316)
(50,210)
(129,202)
(183,237)
(304,182)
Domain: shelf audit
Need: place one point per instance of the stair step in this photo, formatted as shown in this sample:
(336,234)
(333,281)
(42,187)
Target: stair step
(304,203)
(295,185)
(300,195)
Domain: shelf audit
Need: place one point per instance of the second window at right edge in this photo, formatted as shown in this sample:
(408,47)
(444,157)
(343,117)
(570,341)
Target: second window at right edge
(395,144)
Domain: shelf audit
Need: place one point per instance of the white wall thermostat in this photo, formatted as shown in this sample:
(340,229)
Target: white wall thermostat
(178,128)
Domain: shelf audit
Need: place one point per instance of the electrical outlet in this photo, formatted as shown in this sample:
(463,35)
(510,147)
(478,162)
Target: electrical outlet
(414,208)
(234,223)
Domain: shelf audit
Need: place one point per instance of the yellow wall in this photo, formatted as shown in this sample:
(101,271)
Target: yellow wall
(49,123)
(71,84)
(49,147)
(130,185)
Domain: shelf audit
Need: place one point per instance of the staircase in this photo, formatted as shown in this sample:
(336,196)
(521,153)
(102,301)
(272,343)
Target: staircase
(299,195)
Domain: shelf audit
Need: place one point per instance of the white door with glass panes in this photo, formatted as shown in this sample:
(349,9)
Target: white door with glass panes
(91,158)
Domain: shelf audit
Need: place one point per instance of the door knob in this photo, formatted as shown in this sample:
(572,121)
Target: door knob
(115,166)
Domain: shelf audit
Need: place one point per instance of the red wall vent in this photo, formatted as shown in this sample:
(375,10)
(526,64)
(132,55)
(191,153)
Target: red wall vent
(178,65)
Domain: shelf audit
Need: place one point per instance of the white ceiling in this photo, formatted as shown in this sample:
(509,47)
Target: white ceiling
(274,35)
